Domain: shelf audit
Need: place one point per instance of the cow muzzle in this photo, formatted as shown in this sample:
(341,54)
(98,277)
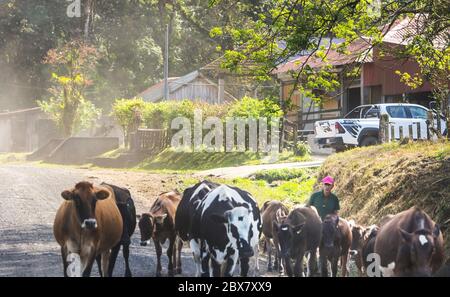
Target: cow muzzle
(353,253)
(246,251)
(145,242)
(89,224)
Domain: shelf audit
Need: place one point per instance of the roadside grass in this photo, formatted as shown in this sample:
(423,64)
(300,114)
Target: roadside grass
(12,158)
(290,191)
(170,159)
(372,182)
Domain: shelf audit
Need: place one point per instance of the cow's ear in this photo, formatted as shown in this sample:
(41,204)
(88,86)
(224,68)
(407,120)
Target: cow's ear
(436,230)
(351,223)
(102,194)
(298,228)
(219,218)
(67,195)
(407,237)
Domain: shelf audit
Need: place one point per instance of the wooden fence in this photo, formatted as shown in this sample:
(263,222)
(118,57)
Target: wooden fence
(149,140)
(419,129)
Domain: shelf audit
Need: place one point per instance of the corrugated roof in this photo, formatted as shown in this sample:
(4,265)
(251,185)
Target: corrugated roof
(156,92)
(21,111)
(358,50)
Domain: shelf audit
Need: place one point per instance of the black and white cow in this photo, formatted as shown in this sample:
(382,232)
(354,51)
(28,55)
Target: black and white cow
(184,216)
(226,227)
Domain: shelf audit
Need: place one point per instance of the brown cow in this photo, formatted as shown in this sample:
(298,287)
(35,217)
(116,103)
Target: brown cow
(410,244)
(88,224)
(335,244)
(363,239)
(273,212)
(159,224)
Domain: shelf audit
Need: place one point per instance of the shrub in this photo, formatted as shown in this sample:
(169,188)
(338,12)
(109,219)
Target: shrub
(302,149)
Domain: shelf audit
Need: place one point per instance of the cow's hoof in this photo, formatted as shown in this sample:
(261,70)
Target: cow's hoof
(171,273)
(178,271)
(158,274)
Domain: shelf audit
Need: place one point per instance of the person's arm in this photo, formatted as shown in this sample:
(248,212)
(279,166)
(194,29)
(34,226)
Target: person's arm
(337,207)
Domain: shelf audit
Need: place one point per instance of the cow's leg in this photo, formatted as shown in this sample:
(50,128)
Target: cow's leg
(195,248)
(112,259)
(105,263)
(126,256)
(64,259)
(170,253)
(344,259)
(334,266)
(216,268)
(98,259)
(158,249)
(323,259)
(278,259)
(244,266)
(298,268)
(269,251)
(179,248)
(205,264)
(255,258)
(230,264)
(287,266)
(312,263)
(88,268)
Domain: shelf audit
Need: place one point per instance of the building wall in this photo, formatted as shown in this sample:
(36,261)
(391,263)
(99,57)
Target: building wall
(382,72)
(198,90)
(5,135)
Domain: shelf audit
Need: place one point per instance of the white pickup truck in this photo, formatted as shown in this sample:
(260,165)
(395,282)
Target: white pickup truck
(361,125)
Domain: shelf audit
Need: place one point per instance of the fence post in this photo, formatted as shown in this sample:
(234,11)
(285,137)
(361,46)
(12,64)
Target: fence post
(400,132)
(430,124)
(410,127)
(383,134)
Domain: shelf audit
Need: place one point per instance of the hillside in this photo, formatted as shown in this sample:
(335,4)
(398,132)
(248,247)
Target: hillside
(386,179)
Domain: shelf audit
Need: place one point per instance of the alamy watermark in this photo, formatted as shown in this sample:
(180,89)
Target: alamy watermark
(241,134)
(74,9)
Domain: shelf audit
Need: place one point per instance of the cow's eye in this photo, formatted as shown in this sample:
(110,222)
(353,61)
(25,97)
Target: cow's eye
(240,218)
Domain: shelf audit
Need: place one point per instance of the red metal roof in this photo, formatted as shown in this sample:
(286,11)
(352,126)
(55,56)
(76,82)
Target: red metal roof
(357,49)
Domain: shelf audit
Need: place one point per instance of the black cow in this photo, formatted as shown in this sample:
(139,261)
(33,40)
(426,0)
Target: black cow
(128,212)
(192,197)
(298,233)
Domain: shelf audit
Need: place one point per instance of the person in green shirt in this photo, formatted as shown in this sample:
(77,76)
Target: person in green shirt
(324,201)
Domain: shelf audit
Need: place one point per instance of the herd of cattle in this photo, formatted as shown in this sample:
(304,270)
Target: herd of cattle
(223,226)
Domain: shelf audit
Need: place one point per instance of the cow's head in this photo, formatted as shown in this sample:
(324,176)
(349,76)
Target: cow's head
(288,234)
(149,224)
(357,239)
(330,231)
(417,249)
(85,198)
(239,225)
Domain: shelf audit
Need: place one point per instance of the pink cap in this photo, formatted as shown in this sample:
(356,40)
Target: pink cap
(328,180)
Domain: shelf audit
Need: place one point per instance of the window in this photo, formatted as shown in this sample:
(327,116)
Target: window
(398,112)
(418,112)
(354,114)
(373,112)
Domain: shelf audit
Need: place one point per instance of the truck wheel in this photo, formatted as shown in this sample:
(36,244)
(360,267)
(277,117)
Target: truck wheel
(369,140)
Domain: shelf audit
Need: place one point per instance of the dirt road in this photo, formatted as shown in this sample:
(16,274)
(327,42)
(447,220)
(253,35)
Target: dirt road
(29,199)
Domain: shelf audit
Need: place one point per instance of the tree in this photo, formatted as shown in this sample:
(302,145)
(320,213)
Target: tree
(67,104)
(288,28)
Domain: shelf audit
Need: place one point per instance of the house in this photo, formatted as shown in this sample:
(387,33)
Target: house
(25,130)
(377,81)
(193,86)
